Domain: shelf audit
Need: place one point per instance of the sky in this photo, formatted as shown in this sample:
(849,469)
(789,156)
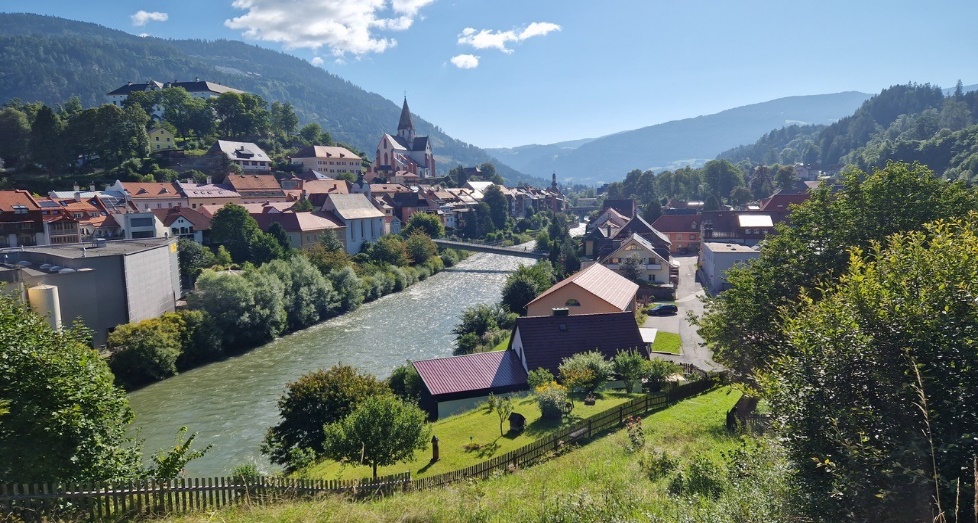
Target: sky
(504,73)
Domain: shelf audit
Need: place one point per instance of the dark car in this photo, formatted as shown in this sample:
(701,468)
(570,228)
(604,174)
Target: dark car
(663,309)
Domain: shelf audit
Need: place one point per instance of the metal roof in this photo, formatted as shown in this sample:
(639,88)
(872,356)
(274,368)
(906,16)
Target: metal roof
(473,372)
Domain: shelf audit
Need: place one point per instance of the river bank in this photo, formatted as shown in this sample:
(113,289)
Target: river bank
(232,402)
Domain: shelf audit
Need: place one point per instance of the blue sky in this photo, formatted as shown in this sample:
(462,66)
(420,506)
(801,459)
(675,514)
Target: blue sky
(506,73)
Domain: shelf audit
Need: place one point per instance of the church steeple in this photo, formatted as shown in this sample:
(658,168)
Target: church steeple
(405,127)
(553,182)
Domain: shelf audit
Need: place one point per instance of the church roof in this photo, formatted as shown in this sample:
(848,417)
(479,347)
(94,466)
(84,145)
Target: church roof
(405,121)
(420,143)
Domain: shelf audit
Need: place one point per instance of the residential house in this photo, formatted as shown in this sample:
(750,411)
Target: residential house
(636,251)
(743,227)
(248,156)
(303,228)
(331,160)
(593,290)
(208,193)
(717,258)
(363,222)
(21,219)
(543,342)
(683,231)
(460,383)
(161,139)
(256,188)
(146,196)
(186,223)
(626,207)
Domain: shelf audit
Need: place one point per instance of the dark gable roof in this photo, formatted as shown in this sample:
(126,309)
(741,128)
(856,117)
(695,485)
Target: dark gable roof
(420,143)
(626,207)
(471,373)
(549,339)
(405,121)
(638,225)
(677,223)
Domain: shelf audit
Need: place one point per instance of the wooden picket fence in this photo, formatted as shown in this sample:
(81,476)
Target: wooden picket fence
(120,501)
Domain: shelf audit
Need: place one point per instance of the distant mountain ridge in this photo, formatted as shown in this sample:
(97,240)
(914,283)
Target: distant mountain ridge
(677,143)
(50,59)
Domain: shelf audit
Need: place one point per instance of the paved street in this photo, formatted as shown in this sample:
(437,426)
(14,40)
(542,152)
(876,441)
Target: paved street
(687,299)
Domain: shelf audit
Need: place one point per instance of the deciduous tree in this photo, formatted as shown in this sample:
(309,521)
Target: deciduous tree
(381,431)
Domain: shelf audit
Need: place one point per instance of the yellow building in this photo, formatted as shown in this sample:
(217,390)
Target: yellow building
(161,140)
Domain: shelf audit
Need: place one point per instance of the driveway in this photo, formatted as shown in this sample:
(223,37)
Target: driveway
(688,299)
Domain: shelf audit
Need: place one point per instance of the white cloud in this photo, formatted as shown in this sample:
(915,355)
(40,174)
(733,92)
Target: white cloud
(538,29)
(317,61)
(465,61)
(490,39)
(144,35)
(141,17)
(343,26)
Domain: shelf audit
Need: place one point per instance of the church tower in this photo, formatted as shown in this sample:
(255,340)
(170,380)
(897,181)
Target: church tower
(405,127)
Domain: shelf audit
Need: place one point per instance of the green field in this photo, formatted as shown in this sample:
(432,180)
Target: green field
(476,427)
(601,481)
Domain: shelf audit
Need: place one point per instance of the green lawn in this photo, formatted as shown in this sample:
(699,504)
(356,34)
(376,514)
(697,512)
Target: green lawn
(476,427)
(503,344)
(601,481)
(667,342)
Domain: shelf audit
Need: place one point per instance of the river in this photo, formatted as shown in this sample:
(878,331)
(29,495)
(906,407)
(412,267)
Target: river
(231,403)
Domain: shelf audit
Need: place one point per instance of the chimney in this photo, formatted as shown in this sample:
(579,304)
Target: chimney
(76,187)
(561,311)
(92,187)
(209,180)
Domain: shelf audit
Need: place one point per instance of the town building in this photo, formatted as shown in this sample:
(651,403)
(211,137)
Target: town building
(196,89)
(21,219)
(638,255)
(161,139)
(198,194)
(303,228)
(330,160)
(105,284)
(405,151)
(246,155)
(256,188)
(185,223)
(683,231)
(717,258)
(363,222)
(460,383)
(146,196)
(593,290)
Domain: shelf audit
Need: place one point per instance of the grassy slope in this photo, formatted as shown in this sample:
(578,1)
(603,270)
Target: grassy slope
(483,426)
(598,482)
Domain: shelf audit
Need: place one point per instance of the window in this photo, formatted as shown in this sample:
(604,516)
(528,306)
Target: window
(572,303)
(692,236)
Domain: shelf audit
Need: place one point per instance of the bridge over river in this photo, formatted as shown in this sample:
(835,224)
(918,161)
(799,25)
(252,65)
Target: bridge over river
(521,251)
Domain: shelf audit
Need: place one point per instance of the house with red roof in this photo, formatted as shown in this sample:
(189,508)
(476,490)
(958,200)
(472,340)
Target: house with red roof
(593,290)
(683,231)
(184,222)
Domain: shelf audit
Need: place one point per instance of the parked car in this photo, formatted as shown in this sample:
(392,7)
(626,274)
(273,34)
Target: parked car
(663,309)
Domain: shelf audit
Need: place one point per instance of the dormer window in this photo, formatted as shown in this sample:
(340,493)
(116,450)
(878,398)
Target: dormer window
(572,303)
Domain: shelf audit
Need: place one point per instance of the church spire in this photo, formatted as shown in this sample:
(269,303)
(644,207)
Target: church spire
(553,182)
(405,123)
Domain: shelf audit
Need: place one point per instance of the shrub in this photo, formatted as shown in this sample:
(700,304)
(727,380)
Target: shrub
(145,351)
(405,382)
(586,371)
(636,434)
(538,377)
(449,257)
(658,465)
(659,370)
(631,367)
(700,477)
(552,398)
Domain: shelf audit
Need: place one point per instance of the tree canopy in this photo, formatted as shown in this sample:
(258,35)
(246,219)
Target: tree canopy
(66,419)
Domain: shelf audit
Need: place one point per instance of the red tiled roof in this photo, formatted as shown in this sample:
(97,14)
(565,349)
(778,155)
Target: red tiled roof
(547,340)
(482,371)
(326,186)
(140,190)
(18,197)
(601,282)
(253,182)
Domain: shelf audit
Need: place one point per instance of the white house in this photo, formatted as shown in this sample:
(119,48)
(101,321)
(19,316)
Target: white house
(364,223)
(717,258)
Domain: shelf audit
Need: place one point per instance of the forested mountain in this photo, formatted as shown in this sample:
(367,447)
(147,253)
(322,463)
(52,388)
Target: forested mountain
(51,59)
(678,143)
(909,123)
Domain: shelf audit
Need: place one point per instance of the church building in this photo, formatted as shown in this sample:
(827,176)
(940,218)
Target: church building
(404,153)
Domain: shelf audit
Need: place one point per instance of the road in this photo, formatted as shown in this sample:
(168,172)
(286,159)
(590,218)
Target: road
(688,299)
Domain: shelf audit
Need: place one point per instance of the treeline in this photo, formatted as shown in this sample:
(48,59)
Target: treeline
(72,140)
(903,123)
(233,311)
